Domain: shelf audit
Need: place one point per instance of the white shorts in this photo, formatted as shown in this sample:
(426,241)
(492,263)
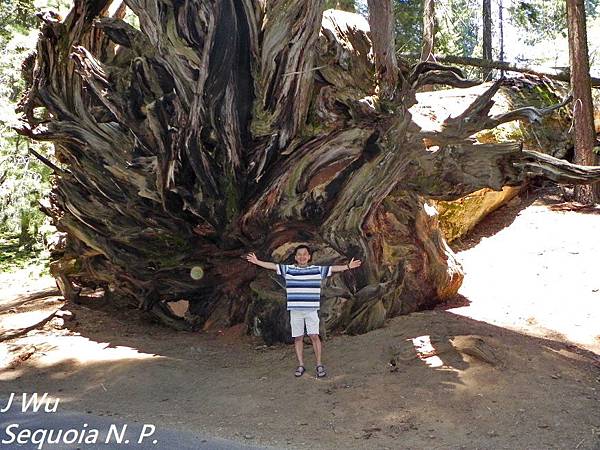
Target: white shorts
(299,318)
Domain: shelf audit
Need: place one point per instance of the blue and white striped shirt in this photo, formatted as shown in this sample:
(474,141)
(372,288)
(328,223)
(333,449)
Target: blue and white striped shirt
(303,285)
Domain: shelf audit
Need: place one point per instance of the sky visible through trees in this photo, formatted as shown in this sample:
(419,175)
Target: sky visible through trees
(534,30)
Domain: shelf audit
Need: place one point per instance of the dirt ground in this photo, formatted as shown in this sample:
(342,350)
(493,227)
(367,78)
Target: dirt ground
(513,363)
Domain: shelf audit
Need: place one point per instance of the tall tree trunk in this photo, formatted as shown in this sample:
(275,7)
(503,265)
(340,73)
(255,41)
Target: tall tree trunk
(583,112)
(487,36)
(501,26)
(428,45)
(381,22)
(219,128)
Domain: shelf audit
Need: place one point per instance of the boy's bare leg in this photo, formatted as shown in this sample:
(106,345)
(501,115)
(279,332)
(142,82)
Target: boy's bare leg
(316,343)
(299,347)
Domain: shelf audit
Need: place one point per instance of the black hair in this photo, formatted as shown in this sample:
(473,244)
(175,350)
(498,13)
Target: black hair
(302,246)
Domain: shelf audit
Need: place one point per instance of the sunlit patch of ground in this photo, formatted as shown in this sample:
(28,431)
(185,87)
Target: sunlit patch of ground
(16,282)
(539,276)
(31,336)
(49,352)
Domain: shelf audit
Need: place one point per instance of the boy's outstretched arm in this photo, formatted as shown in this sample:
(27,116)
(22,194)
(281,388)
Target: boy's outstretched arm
(353,264)
(251,257)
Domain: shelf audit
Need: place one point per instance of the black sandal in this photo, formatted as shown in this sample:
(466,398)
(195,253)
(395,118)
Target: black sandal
(299,371)
(321,372)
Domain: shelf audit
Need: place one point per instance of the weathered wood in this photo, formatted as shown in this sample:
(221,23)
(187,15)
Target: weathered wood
(476,117)
(234,126)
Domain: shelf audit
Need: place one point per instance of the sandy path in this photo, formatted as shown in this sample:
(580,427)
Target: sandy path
(538,276)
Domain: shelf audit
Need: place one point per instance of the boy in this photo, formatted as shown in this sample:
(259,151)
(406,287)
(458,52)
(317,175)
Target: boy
(303,289)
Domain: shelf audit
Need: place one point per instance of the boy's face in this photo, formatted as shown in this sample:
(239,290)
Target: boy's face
(302,257)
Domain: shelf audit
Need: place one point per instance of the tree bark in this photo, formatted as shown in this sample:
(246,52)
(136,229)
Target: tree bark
(234,126)
(487,36)
(501,27)
(381,22)
(428,30)
(583,112)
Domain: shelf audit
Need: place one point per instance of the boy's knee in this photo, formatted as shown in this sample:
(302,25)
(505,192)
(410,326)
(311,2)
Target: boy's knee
(313,337)
(298,338)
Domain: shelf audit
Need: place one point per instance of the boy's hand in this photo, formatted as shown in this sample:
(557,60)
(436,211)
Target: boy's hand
(354,263)
(251,257)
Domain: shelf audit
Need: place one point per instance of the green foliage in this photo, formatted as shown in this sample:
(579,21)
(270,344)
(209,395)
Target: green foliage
(457,26)
(408,15)
(23,179)
(14,256)
(18,16)
(24,182)
(541,28)
(15,16)
(544,19)
(460,21)
(344,5)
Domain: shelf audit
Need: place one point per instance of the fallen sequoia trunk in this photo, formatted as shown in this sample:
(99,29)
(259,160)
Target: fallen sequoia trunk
(551,135)
(233,126)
